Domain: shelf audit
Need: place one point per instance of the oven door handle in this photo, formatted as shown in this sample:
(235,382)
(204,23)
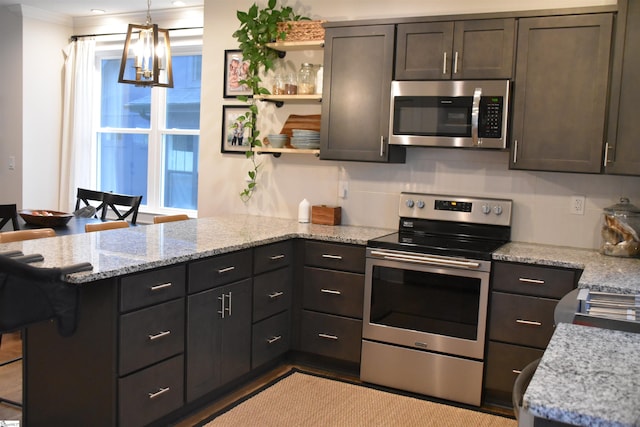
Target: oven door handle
(423,259)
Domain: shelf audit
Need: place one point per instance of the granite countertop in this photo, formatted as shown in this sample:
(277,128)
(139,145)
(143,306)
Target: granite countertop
(601,272)
(129,250)
(589,377)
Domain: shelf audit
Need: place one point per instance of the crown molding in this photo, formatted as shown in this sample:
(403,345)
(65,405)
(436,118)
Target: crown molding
(41,14)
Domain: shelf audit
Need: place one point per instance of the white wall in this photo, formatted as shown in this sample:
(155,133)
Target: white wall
(541,199)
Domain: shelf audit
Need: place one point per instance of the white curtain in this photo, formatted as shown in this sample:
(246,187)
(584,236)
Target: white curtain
(77,116)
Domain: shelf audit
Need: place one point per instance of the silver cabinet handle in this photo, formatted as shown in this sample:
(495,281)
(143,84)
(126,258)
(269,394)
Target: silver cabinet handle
(528,322)
(534,281)
(331,256)
(515,151)
(444,63)
(276,257)
(159,392)
(222,309)
(274,339)
(607,147)
(330,291)
(229,305)
(162,286)
(455,63)
(226,270)
(276,294)
(159,335)
(516,371)
(327,336)
(381,146)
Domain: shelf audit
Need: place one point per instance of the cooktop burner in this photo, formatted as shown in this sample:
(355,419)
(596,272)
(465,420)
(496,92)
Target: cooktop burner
(468,227)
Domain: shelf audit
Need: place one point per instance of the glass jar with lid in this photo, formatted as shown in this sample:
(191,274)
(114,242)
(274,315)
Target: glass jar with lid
(306,79)
(621,230)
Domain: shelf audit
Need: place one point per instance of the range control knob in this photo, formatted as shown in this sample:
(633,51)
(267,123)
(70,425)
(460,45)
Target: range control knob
(420,204)
(497,209)
(409,203)
(486,209)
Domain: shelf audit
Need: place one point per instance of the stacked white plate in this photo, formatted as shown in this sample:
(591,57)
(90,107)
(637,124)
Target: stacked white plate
(303,138)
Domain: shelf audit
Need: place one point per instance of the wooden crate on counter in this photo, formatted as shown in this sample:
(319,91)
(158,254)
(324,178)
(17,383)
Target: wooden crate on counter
(326,215)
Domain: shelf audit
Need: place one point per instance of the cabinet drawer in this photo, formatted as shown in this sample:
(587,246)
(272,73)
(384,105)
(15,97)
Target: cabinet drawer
(533,280)
(520,319)
(271,257)
(151,287)
(335,256)
(151,393)
(333,292)
(271,338)
(219,270)
(271,293)
(504,362)
(331,336)
(150,335)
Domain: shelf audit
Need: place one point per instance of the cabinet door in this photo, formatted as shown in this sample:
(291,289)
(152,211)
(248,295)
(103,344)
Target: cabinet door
(624,127)
(562,69)
(483,49)
(423,51)
(218,337)
(358,65)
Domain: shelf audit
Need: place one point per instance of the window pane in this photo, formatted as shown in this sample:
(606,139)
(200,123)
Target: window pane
(122,105)
(181,171)
(183,100)
(123,163)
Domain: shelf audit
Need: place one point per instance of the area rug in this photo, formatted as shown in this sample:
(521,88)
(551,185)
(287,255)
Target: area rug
(301,399)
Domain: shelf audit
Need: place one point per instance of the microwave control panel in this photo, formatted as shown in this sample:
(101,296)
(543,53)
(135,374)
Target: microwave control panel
(490,125)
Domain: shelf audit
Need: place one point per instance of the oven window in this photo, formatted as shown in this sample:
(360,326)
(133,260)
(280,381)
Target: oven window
(435,303)
(432,116)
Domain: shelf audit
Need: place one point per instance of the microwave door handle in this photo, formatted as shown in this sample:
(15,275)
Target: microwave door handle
(475,115)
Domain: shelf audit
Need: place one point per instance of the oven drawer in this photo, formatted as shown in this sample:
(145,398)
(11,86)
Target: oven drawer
(520,319)
(333,292)
(151,393)
(271,338)
(150,335)
(271,293)
(533,280)
(335,256)
(152,287)
(271,257)
(504,361)
(331,336)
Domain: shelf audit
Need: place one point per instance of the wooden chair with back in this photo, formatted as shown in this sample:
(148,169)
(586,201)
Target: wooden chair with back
(9,213)
(84,197)
(20,235)
(118,203)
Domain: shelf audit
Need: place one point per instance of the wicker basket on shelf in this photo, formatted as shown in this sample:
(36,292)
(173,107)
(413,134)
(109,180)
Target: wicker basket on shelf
(300,31)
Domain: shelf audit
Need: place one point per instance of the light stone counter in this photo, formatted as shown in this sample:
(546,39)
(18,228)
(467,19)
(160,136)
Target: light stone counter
(123,251)
(588,377)
(601,272)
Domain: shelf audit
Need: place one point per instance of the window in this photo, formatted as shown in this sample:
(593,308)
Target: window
(147,139)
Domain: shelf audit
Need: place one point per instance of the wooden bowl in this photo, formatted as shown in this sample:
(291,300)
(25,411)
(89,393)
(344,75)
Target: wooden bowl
(45,218)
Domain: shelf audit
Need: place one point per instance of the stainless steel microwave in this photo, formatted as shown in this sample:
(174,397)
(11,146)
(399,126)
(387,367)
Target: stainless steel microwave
(450,113)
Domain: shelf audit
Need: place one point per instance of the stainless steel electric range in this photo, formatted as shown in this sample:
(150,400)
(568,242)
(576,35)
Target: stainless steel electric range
(426,295)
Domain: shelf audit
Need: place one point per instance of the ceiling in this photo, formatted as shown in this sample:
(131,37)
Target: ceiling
(76,8)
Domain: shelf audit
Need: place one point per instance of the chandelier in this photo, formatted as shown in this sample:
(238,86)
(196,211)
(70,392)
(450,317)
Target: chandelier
(146,59)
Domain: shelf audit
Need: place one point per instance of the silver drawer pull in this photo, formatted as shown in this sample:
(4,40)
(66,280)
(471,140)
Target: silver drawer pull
(160,335)
(330,291)
(528,322)
(276,257)
(534,281)
(516,371)
(162,286)
(274,339)
(276,295)
(327,336)
(331,256)
(158,393)
(226,270)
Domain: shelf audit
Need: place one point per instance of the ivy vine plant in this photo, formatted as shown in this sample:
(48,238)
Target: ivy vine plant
(257,28)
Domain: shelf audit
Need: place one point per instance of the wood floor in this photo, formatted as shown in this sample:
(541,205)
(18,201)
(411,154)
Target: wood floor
(10,376)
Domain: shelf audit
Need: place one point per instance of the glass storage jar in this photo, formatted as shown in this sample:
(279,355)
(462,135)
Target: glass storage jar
(620,230)
(306,79)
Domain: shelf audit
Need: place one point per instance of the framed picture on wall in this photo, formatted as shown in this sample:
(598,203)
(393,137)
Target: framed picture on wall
(235,70)
(235,136)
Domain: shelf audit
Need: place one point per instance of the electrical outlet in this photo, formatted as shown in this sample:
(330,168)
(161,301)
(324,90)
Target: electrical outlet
(577,205)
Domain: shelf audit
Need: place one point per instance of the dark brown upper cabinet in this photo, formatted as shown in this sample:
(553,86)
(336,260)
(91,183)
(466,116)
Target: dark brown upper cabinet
(622,151)
(474,49)
(560,93)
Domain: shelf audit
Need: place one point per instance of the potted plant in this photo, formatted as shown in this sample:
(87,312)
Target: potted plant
(257,28)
